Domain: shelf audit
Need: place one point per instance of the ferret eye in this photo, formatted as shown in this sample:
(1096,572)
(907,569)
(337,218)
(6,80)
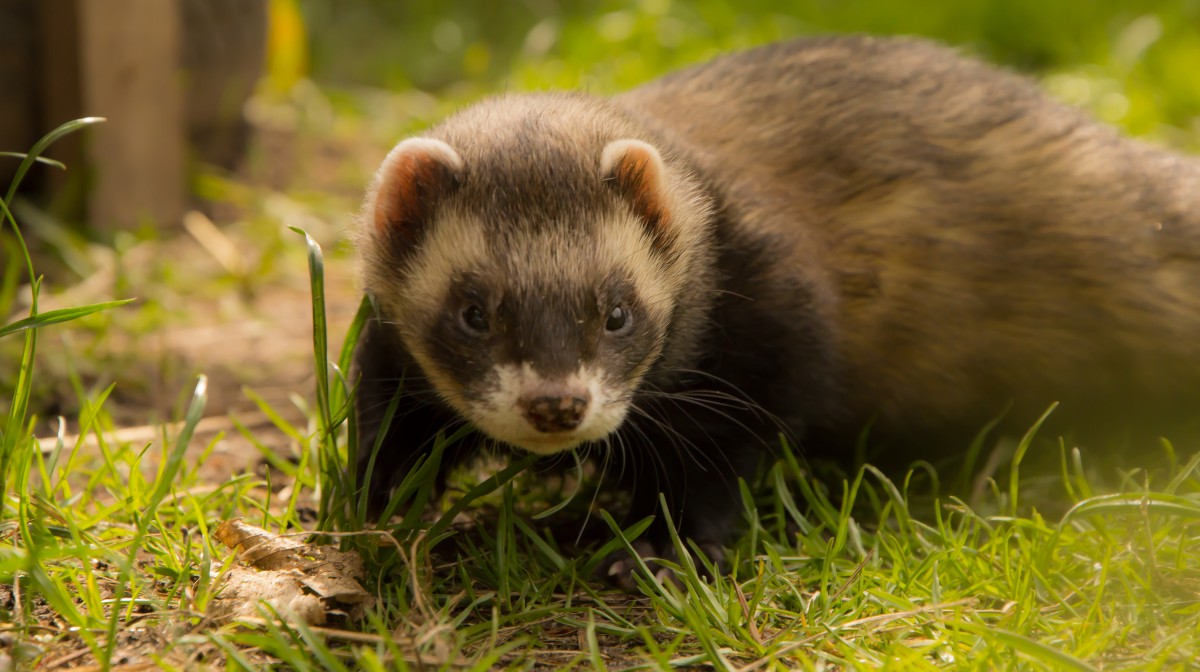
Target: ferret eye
(618,319)
(474,320)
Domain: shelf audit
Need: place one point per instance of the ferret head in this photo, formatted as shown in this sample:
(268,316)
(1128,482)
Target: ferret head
(537,257)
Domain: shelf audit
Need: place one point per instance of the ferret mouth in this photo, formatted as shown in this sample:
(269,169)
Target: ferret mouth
(548,445)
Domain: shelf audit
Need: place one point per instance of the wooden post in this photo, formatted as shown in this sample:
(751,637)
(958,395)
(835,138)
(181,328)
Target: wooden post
(165,73)
(128,60)
(18,82)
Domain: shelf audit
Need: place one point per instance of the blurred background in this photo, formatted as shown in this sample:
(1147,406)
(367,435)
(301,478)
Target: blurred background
(1130,60)
(231,120)
(185,83)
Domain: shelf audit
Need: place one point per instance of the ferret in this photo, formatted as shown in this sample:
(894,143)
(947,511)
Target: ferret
(807,239)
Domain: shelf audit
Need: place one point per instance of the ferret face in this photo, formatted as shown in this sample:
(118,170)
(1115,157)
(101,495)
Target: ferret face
(541,341)
(533,295)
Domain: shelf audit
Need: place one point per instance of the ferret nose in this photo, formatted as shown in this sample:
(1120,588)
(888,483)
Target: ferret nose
(554,413)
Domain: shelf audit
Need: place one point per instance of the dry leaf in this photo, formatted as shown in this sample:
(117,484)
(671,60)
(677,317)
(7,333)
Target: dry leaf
(300,581)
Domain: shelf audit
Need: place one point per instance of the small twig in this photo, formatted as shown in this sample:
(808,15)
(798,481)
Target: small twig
(749,617)
(146,433)
(59,662)
(853,577)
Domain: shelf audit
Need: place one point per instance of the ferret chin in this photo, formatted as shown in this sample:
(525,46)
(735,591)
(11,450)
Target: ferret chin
(806,238)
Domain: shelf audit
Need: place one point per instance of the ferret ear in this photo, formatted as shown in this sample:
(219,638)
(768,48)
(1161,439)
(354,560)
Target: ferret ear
(637,171)
(416,174)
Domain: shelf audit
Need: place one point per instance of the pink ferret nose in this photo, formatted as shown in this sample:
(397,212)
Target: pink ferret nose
(554,413)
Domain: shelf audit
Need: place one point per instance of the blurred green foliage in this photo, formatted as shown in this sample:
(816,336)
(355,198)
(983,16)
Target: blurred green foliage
(1133,62)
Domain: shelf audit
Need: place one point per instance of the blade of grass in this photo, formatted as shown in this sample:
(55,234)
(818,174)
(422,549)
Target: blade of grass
(162,486)
(41,159)
(1034,649)
(57,316)
(1022,448)
(40,146)
(488,486)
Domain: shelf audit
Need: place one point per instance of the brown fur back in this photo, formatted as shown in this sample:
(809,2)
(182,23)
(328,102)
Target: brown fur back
(973,241)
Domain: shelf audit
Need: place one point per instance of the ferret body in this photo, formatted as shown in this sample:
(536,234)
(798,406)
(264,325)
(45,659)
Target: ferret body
(810,238)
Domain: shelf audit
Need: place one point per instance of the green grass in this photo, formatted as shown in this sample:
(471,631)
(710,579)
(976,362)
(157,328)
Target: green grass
(855,572)
(108,551)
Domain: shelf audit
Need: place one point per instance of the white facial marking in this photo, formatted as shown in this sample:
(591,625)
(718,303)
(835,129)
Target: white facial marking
(461,243)
(501,417)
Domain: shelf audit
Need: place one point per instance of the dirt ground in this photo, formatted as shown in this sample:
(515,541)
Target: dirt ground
(207,306)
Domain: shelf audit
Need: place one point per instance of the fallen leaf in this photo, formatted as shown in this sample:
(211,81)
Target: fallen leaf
(302,582)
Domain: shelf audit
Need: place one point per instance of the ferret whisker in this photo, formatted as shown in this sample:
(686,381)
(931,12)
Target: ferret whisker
(683,445)
(658,466)
(678,398)
(739,394)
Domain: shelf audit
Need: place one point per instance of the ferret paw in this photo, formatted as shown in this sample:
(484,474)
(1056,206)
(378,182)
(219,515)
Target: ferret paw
(619,567)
